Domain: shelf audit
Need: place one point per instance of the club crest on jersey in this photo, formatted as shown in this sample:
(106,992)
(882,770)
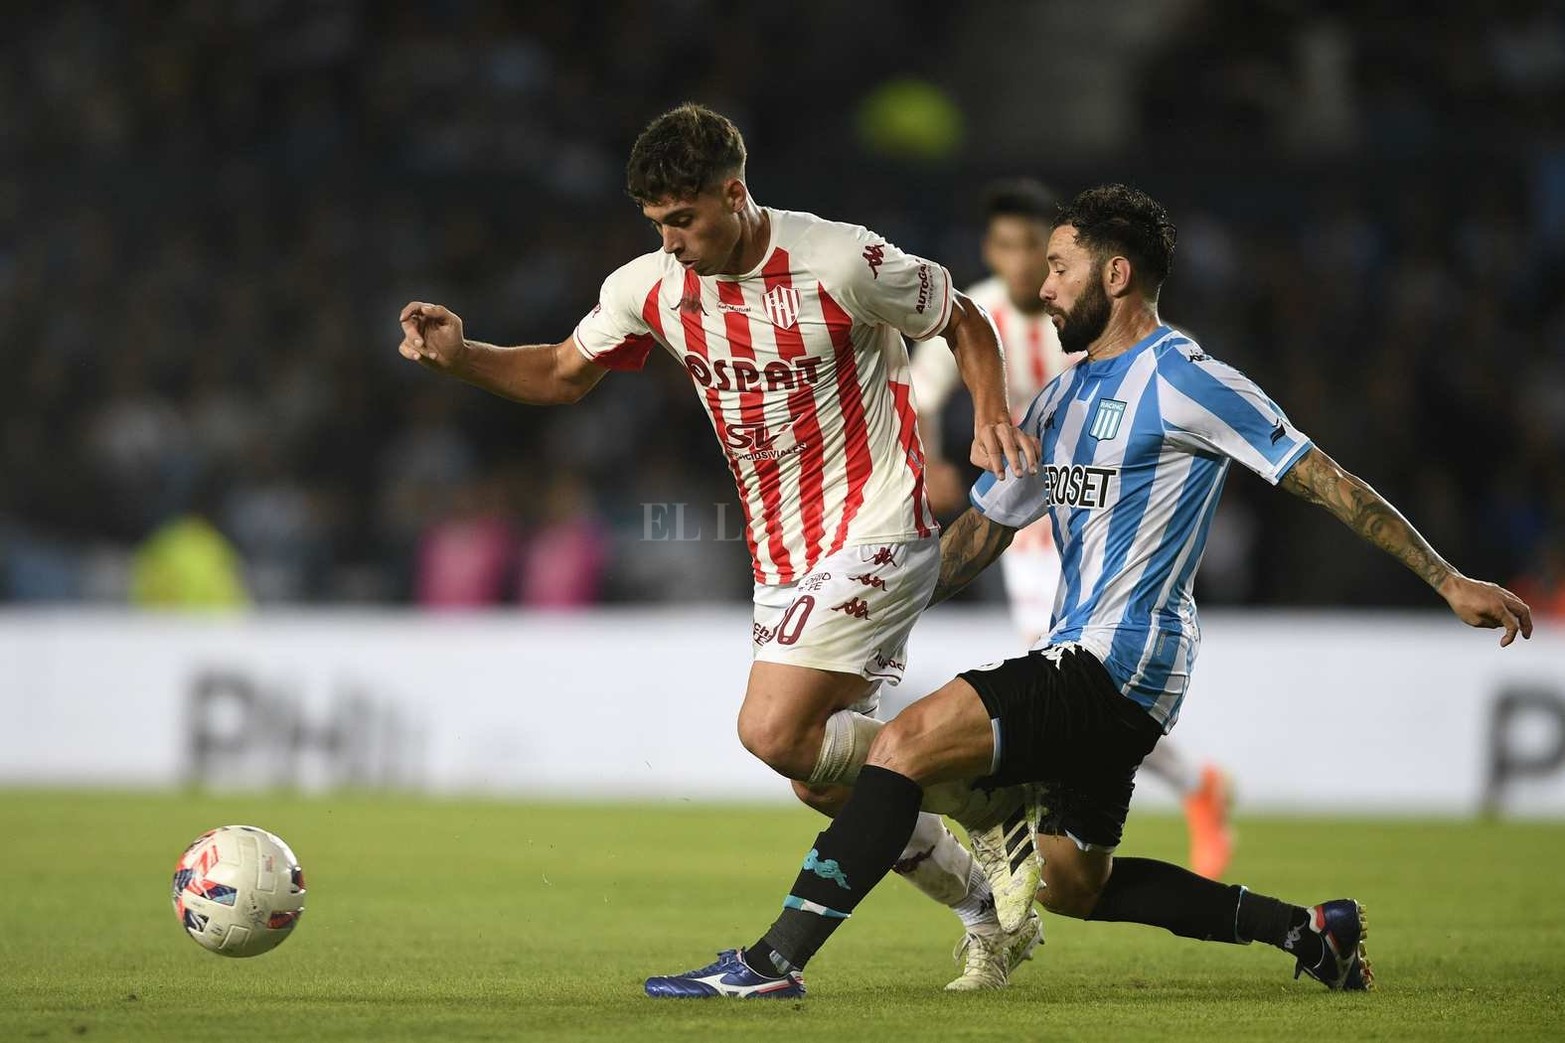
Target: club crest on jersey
(1105,422)
(782,306)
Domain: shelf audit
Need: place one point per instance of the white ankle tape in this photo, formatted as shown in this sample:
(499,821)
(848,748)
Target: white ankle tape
(846,745)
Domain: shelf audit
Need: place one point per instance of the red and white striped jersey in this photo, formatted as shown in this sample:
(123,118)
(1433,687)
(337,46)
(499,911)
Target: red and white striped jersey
(801,366)
(1033,356)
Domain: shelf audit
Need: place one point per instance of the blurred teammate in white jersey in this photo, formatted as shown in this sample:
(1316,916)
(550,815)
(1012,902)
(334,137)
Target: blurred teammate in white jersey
(1017,218)
(791,330)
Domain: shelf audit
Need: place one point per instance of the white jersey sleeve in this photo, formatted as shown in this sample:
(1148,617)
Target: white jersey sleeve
(615,334)
(881,285)
(1208,406)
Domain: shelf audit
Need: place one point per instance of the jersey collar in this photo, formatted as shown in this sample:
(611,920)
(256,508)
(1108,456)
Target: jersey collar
(1125,358)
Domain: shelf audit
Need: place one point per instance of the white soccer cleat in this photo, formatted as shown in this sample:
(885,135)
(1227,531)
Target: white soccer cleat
(1008,856)
(988,956)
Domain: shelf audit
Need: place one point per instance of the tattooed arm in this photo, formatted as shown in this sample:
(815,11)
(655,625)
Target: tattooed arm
(1321,480)
(967,547)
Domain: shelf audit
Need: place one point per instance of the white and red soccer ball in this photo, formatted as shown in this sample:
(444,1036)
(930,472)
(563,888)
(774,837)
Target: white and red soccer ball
(238,891)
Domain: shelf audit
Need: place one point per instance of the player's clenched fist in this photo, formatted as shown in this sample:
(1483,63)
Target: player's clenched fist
(431,335)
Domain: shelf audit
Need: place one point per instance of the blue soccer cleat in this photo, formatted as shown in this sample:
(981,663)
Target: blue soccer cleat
(729,976)
(1342,927)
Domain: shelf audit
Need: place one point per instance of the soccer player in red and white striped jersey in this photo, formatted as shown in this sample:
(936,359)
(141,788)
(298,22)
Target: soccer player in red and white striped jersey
(791,329)
(1018,216)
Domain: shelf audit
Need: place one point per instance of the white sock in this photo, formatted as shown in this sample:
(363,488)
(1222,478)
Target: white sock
(936,863)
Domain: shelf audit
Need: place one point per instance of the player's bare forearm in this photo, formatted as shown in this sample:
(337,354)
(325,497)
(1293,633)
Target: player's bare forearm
(996,443)
(967,547)
(1321,480)
(980,359)
(530,373)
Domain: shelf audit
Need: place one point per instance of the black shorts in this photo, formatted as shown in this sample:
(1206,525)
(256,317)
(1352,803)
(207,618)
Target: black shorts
(1061,721)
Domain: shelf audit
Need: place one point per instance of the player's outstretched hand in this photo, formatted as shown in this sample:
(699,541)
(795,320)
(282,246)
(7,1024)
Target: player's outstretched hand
(431,335)
(997,445)
(1480,604)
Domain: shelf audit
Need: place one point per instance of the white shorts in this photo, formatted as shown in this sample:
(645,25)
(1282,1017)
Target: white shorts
(1031,565)
(852,613)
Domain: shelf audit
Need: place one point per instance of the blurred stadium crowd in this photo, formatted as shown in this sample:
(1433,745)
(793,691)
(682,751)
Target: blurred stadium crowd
(213,212)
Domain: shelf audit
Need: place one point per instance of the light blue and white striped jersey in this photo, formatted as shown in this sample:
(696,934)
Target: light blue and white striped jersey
(1135,450)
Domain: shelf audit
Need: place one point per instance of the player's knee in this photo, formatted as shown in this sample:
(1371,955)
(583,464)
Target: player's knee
(899,747)
(828,800)
(779,746)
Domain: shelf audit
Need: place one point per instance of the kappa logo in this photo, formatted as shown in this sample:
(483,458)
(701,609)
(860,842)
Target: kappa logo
(907,865)
(885,556)
(690,304)
(782,306)
(873,582)
(857,608)
(826,869)
(876,256)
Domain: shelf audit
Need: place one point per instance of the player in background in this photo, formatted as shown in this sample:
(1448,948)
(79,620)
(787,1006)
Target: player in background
(1018,215)
(1137,439)
(791,330)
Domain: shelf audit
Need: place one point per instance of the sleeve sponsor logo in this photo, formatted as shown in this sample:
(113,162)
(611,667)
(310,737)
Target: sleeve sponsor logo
(925,289)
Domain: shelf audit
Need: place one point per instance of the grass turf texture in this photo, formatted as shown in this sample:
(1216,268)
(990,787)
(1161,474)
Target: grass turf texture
(433,920)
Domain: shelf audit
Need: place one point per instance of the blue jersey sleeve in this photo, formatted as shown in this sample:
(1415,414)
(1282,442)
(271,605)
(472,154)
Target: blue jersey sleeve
(1210,407)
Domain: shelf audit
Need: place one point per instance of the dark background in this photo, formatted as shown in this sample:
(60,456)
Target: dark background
(210,215)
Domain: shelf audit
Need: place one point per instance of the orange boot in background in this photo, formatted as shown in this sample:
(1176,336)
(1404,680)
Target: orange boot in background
(1211,832)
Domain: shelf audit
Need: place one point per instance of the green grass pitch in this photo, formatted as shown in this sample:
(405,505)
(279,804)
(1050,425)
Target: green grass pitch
(434,920)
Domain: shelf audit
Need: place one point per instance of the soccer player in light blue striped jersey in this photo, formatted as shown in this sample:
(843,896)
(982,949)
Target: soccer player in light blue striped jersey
(1136,441)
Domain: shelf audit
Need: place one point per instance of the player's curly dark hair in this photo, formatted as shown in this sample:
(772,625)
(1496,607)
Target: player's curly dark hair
(682,152)
(1118,219)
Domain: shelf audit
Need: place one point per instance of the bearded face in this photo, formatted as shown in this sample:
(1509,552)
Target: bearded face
(1083,321)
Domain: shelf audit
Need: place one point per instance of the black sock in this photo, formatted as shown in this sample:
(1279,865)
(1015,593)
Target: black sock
(1266,919)
(849,858)
(1275,922)
(1144,890)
